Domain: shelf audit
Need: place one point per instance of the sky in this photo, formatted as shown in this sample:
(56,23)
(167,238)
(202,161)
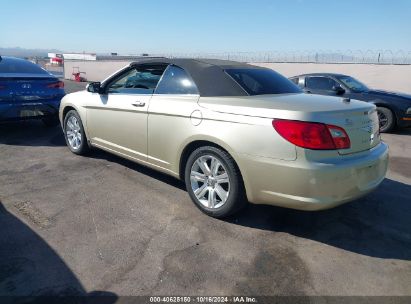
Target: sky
(184,26)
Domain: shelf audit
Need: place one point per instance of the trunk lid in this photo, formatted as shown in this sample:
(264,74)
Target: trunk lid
(359,119)
(26,88)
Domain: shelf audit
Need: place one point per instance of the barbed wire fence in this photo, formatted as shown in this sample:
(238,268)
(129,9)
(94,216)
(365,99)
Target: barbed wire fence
(309,56)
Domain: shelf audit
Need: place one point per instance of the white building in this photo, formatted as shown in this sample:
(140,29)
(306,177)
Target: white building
(80,56)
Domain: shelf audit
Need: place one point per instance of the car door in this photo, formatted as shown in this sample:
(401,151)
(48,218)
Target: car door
(117,118)
(172,112)
(321,85)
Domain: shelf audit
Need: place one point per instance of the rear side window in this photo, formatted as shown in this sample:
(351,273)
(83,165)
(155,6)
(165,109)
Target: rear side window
(262,81)
(320,83)
(176,81)
(16,66)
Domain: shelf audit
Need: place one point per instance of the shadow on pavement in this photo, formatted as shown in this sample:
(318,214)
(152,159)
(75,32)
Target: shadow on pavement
(100,154)
(378,225)
(33,133)
(30,133)
(29,267)
(405,131)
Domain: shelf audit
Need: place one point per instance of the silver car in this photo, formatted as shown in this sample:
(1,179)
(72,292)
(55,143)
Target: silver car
(233,132)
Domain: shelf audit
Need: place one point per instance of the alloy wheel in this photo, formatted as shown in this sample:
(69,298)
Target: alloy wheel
(383,119)
(73,133)
(210,181)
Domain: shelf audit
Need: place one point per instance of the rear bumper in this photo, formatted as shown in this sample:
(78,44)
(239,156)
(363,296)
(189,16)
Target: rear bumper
(29,110)
(313,185)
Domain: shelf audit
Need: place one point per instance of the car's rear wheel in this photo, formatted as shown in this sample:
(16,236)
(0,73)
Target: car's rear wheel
(386,118)
(74,133)
(214,182)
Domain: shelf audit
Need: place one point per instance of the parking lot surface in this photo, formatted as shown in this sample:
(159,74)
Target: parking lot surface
(77,225)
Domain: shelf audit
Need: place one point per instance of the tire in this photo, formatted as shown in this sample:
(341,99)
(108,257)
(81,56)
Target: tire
(227,194)
(386,118)
(76,139)
(51,121)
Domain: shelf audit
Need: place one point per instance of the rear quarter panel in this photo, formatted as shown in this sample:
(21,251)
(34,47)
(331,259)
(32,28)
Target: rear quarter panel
(176,121)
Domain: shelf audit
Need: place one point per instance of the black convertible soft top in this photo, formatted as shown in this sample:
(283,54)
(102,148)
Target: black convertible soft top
(208,74)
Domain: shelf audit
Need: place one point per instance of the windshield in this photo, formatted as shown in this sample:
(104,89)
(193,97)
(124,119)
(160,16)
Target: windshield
(353,84)
(262,81)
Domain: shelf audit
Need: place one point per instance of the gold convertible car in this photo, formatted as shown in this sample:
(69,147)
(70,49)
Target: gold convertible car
(234,132)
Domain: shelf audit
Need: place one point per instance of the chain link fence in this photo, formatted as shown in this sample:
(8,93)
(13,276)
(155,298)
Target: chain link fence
(310,56)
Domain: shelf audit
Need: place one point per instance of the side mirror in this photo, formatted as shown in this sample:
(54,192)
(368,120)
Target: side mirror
(338,90)
(94,87)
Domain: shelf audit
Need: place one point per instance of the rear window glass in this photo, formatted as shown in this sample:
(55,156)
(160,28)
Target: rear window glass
(262,81)
(20,66)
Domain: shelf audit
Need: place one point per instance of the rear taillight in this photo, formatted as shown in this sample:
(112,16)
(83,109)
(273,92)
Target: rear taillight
(340,137)
(56,85)
(312,135)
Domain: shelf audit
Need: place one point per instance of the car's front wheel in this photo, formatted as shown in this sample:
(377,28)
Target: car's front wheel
(214,182)
(74,133)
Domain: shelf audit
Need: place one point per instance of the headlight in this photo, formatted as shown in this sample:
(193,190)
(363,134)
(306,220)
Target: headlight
(409,111)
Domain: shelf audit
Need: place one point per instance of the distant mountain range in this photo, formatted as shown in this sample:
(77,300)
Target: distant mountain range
(21,52)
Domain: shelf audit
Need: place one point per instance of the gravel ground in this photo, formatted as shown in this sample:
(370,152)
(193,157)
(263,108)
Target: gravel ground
(76,225)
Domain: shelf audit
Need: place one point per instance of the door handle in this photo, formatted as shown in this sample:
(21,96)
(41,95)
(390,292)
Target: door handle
(139,104)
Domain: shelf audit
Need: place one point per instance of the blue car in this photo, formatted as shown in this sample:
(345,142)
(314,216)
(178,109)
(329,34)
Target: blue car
(394,109)
(28,92)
